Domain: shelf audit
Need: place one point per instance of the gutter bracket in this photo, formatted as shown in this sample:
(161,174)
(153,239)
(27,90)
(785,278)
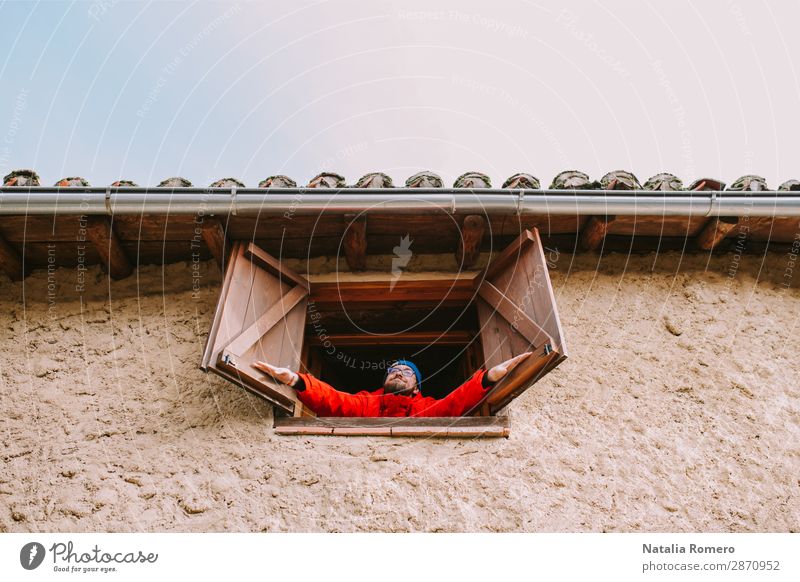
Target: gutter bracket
(713,201)
(108,202)
(520,200)
(453,204)
(233,200)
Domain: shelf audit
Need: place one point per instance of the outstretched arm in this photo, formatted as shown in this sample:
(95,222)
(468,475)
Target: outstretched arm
(466,396)
(499,371)
(319,396)
(282,375)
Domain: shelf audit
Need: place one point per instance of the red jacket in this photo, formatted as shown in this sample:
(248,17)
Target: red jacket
(325,400)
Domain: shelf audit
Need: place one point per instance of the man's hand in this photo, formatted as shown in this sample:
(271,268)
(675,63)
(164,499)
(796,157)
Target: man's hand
(284,375)
(500,370)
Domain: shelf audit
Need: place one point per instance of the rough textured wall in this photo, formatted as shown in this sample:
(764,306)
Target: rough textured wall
(678,410)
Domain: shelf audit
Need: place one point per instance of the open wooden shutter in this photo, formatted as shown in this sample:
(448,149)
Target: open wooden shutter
(261,315)
(517,313)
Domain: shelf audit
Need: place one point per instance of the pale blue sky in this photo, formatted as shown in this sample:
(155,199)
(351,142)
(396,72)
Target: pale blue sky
(208,89)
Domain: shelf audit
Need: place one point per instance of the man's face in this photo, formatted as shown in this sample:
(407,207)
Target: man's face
(401,380)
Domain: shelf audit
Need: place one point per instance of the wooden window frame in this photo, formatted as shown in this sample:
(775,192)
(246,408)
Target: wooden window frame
(262,310)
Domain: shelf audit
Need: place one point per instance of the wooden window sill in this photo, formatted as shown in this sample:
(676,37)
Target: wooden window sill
(440,427)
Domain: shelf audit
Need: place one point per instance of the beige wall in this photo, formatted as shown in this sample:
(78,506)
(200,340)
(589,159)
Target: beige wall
(678,410)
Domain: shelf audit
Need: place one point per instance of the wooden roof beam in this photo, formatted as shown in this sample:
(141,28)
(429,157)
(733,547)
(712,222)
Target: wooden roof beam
(355,241)
(469,245)
(10,261)
(715,231)
(100,233)
(594,233)
(215,239)
(717,228)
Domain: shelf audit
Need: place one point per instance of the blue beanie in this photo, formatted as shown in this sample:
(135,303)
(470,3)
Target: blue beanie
(411,365)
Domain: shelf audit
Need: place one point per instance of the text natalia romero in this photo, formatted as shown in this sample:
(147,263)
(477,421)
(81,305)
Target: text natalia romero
(693,549)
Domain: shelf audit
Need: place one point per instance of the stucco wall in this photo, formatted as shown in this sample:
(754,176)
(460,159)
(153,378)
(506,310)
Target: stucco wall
(678,410)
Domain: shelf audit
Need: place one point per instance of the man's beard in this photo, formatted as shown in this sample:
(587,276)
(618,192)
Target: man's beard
(395,386)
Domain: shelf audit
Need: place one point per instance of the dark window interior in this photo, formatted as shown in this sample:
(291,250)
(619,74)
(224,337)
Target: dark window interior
(444,365)
(355,368)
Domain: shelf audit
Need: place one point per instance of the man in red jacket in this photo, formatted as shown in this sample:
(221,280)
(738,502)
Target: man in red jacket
(399,396)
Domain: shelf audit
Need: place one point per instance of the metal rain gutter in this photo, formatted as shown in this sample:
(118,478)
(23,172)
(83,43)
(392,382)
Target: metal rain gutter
(301,201)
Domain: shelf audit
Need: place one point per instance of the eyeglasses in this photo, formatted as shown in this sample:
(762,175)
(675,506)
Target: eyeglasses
(407,372)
